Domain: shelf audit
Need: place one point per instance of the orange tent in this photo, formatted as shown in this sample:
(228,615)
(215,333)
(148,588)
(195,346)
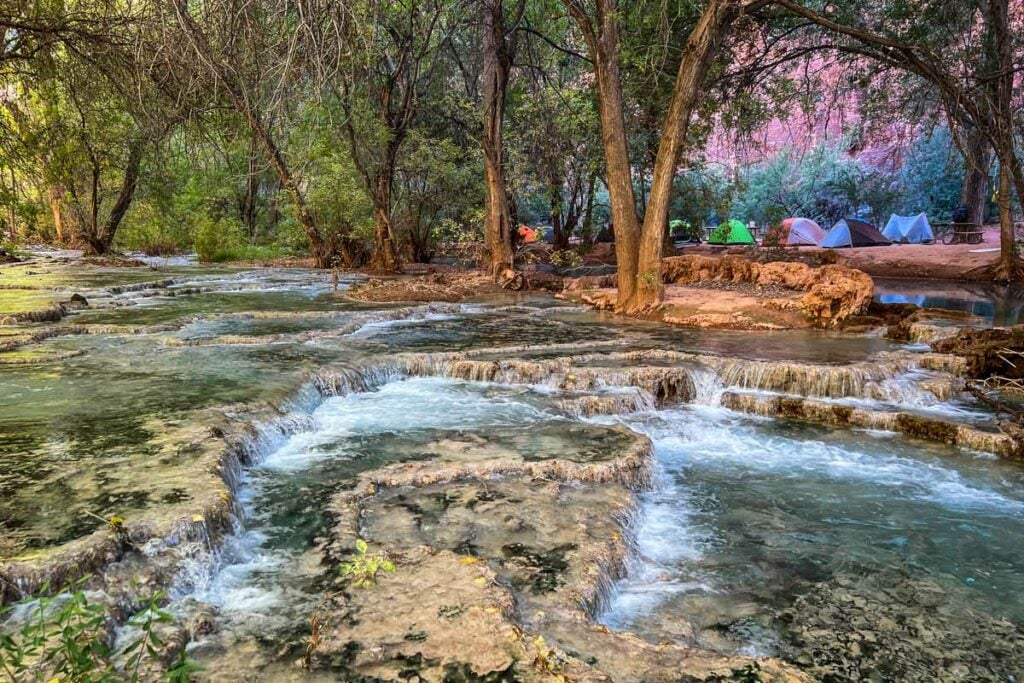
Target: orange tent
(528,234)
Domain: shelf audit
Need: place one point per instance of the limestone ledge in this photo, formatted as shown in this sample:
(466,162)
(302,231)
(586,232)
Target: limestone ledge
(546,549)
(930,429)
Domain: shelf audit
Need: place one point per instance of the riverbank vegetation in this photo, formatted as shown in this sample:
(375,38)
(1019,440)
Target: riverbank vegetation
(376,134)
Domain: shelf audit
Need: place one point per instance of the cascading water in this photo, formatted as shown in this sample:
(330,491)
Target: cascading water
(755,526)
(752,516)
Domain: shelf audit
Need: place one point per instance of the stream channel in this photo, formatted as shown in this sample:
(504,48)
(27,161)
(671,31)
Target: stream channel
(854,553)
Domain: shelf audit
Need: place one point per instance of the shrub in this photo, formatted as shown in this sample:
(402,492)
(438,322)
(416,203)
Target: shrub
(218,240)
(363,567)
(65,637)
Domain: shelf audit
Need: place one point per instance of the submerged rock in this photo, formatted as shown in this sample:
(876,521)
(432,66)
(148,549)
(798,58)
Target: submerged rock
(496,579)
(893,628)
(917,426)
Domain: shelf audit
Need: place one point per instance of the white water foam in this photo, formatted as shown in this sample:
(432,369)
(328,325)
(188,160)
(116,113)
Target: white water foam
(673,534)
(251,581)
(414,404)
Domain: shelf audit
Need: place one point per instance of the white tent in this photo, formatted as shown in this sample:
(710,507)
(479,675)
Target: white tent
(909,229)
(801,231)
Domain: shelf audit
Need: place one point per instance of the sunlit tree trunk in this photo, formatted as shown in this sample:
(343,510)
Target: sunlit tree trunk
(385,252)
(55,195)
(498,224)
(700,50)
(603,42)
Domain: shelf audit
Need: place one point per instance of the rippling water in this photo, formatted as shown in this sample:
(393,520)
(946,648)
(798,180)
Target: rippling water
(750,523)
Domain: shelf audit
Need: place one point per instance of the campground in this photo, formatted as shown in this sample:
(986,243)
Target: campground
(933,261)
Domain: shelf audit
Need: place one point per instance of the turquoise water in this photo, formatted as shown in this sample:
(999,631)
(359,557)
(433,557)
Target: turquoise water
(755,529)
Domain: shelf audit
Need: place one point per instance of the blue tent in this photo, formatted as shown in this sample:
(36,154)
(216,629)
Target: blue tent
(909,229)
(850,232)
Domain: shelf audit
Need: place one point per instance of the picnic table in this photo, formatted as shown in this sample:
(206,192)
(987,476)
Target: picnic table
(959,233)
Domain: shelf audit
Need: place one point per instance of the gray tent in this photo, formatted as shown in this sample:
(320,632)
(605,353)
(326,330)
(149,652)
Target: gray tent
(909,229)
(850,232)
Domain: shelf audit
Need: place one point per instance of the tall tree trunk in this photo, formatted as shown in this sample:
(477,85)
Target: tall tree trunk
(498,224)
(385,253)
(56,195)
(1000,43)
(700,50)
(588,213)
(977,159)
(251,188)
(12,216)
(1006,269)
(604,48)
(559,226)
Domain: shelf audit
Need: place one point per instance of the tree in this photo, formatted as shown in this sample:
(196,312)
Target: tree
(68,120)
(975,98)
(555,129)
(381,90)
(499,47)
(638,245)
(244,54)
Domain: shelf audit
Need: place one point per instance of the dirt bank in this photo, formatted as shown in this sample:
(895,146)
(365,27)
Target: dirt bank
(422,283)
(934,261)
(732,292)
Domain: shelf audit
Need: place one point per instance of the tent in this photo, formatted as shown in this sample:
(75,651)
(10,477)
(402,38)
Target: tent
(795,232)
(731,232)
(909,229)
(528,234)
(680,232)
(850,232)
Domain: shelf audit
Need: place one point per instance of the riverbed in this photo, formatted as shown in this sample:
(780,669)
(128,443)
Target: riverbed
(848,552)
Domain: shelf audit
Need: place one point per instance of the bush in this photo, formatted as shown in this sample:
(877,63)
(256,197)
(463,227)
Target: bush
(160,246)
(65,637)
(218,240)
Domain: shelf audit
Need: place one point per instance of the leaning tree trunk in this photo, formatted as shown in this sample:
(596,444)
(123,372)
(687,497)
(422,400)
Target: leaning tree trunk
(101,238)
(700,50)
(498,224)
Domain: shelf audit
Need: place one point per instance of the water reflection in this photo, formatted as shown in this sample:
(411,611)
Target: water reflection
(1000,305)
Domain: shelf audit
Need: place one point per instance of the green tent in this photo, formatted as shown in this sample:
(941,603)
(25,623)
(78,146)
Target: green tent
(731,232)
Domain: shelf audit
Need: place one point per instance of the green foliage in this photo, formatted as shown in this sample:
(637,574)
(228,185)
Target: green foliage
(932,176)
(65,637)
(824,183)
(566,258)
(700,194)
(362,568)
(218,240)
